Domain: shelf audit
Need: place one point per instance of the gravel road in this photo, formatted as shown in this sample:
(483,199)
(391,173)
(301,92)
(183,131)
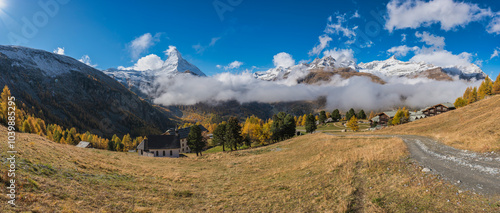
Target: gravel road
(469,170)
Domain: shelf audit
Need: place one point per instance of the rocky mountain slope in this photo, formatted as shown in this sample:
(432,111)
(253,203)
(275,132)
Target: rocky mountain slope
(65,91)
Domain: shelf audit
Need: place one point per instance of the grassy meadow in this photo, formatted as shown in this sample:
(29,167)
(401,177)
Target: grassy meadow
(311,173)
(473,127)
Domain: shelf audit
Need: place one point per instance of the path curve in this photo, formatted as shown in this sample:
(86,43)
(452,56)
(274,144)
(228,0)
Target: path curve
(469,170)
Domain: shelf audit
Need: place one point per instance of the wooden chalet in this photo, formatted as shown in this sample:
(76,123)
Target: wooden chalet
(383,117)
(438,109)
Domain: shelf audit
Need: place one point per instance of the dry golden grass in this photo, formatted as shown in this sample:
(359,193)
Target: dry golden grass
(474,127)
(312,173)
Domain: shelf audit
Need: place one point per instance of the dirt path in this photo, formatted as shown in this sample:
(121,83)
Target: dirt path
(469,170)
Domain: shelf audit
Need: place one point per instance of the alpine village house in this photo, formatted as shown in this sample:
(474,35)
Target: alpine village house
(170,144)
(384,117)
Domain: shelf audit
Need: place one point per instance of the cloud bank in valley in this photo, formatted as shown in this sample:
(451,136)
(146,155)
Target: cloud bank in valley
(356,92)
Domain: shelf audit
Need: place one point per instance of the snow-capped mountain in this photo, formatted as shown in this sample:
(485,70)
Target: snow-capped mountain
(391,67)
(325,63)
(49,63)
(394,67)
(70,93)
(141,81)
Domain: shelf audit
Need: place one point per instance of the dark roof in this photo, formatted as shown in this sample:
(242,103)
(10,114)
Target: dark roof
(160,142)
(447,105)
(183,133)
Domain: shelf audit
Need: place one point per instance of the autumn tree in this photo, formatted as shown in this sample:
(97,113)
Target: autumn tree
(372,115)
(127,142)
(304,120)
(353,124)
(460,102)
(402,116)
(496,86)
(252,128)
(485,89)
(4,100)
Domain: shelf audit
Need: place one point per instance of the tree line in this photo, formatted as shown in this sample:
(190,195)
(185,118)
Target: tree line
(473,94)
(232,135)
(28,123)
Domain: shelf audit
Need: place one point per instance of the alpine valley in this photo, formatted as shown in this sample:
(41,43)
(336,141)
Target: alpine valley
(70,93)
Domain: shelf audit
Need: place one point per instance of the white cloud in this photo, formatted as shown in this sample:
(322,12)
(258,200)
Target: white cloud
(338,28)
(417,13)
(59,51)
(142,44)
(283,59)
(149,62)
(232,65)
(495,53)
(341,55)
(200,48)
(356,15)
(431,40)
(86,60)
(403,37)
(494,26)
(442,58)
(356,92)
(218,66)
(323,42)
(402,50)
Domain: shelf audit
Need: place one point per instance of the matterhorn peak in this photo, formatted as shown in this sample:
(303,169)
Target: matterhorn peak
(393,58)
(173,52)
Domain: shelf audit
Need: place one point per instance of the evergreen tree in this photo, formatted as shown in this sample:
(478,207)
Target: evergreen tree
(119,146)
(349,114)
(336,115)
(289,126)
(361,114)
(219,137)
(322,117)
(195,140)
(310,124)
(111,145)
(233,133)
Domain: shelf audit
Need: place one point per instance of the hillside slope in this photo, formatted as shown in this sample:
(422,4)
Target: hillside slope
(474,127)
(312,173)
(67,92)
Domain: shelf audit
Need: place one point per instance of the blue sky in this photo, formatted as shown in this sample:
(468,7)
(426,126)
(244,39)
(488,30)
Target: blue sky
(252,32)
